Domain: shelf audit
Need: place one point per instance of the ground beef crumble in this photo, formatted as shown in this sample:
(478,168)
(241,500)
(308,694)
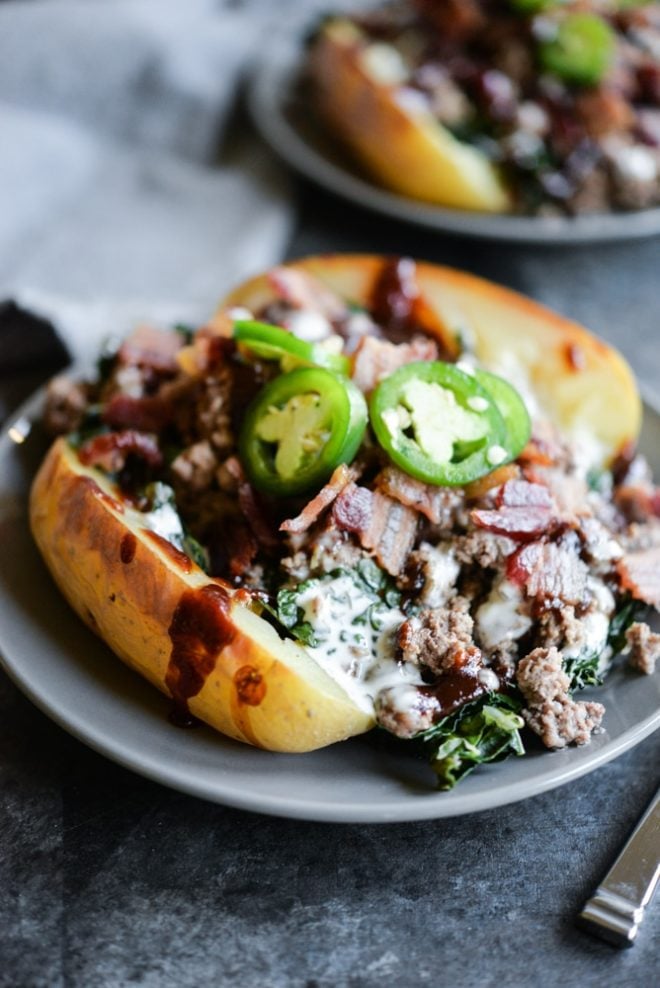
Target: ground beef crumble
(551,712)
(644,647)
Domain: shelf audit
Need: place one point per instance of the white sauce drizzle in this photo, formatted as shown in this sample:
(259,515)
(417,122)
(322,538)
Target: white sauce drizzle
(356,638)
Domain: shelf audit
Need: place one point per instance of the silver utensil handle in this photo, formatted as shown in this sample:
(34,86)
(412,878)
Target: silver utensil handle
(616,909)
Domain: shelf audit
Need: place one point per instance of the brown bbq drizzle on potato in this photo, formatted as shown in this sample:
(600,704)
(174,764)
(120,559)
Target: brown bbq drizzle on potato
(128,548)
(199,630)
(177,556)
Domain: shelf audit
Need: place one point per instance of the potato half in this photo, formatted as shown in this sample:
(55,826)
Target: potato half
(143,597)
(163,616)
(403,146)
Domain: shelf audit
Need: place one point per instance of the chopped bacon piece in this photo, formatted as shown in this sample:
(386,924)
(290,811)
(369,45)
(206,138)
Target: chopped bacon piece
(353,509)
(242,548)
(516,523)
(524,511)
(251,507)
(110,450)
(148,414)
(550,571)
(381,524)
(638,503)
(341,478)
(640,574)
(438,504)
(375,359)
(521,494)
(302,291)
(153,348)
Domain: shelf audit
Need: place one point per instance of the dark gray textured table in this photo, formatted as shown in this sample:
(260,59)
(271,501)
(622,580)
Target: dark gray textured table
(109,880)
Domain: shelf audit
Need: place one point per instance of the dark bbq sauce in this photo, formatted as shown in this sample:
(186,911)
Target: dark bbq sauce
(128,548)
(453,690)
(398,307)
(393,298)
(101,495)
(177,556)
(576,358)
(199,630)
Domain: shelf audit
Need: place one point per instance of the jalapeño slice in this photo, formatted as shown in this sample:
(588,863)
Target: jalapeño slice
(274,343)
(582,50)
(439,424)
(512,409)
(299,428)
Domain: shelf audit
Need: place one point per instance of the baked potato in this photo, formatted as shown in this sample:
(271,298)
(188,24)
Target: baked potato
(207,642)
(402,146)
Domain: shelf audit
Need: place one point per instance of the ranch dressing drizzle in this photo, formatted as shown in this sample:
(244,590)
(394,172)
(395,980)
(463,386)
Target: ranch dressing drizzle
(356,638)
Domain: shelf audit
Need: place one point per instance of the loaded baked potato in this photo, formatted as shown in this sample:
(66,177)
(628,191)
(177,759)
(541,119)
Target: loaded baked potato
(361,494)
(530,106)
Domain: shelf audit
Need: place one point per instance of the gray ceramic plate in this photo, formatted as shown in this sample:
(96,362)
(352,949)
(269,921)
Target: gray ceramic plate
(280,107)
(77,681)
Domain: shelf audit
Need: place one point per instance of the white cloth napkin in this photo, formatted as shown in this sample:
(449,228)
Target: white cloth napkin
(127,189)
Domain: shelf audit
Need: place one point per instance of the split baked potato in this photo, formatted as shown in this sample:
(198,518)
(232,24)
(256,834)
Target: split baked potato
(199,637)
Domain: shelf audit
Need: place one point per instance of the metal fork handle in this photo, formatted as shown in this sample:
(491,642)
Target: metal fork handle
(616,909)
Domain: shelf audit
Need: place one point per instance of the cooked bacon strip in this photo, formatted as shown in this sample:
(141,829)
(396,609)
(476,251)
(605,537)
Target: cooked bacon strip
(302,291)
(148,414)
(341,478)
(110,450)
(381,524)
(156,349)
(375,359)
(640,574)
(524,511)
(438,504)
(550,571)
(251,507)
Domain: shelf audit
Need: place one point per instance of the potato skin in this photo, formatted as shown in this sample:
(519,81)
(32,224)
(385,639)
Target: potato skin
(406,151)
(584,385)
(141,597)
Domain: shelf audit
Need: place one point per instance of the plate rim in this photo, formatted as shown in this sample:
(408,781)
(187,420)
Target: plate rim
(269,87)
(428,807)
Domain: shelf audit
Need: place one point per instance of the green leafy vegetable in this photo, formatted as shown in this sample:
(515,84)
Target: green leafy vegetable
(165,521)
(584,670)
(486,730)
(292,616)
(185,331)
(631,610)
(92,425)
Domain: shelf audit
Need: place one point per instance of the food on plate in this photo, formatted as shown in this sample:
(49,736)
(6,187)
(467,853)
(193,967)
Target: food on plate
(531,106)
(368,492)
